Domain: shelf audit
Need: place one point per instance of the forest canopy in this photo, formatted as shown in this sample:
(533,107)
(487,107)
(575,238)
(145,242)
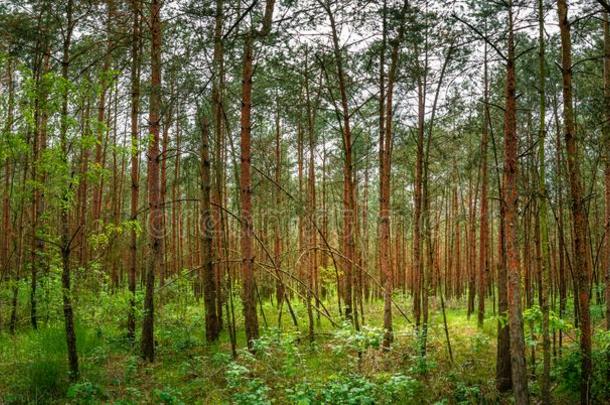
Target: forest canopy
(305,202)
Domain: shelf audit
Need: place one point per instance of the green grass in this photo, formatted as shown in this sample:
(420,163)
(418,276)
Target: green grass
(342,366)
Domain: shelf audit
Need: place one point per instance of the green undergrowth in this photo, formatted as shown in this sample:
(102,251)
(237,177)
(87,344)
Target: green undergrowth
(342,365)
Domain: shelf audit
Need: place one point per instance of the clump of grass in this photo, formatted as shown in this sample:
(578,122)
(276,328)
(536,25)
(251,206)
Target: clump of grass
(34,365)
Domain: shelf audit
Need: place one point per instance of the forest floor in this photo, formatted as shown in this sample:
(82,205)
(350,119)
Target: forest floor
(342,366)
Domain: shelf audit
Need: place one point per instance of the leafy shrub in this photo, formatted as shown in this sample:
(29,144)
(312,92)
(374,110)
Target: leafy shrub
(568,371)
(400,388)
(465,394)
(84,393)
(132,396)
(349,390)
(349,339)
(302,394)
(245,390)
(168,396)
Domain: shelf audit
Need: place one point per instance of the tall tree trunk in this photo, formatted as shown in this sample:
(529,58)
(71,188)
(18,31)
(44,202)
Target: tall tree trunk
(510,200)
(312,262)
(579,215)
(65,206)
(219,177)
(7,231)
(277,241)
(311,197)
(98,189)
(348,177)
(484,220)
(155,220)
(385,170)
(543,232)
(245,180)
(135,163)
(473,191)
(417,213)
(207,253)
(606,132)
(38,176)
(561,248)
(167,124)
(247,265)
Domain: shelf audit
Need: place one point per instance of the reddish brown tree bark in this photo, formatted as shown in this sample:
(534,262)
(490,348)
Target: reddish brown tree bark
(606,132)
(247,265)
(579,215)
(212,329)
(349,205)
(484,220)
(155,213)
(510,201)
(385,170)
(102,130)
(135,162)
(245,179)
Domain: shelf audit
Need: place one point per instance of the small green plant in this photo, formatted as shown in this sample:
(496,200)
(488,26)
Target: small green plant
(465,394)
(349,390)
(245,390)
(348,339)
(168,396)
(568,373)
(131,367)
(84,393)
(400,388)
(302,394)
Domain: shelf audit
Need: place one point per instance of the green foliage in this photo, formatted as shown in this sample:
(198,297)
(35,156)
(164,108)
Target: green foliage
(350,390)
(168,396)
(400,388)
(84,393)
(533,321)
(465,394)
(244,389)
(567,372)
(350,339)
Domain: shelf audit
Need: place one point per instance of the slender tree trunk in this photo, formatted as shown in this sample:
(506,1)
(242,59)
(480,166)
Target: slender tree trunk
(98,189)
(167,124)
(219,177)
(348,177)
(277,241)
(38,196)
(484,220)
(155,220)
(543,232)
(312,262)
(207,254)
(247,265)
(8,174)
(135,162)
(606,132)
(385,170)
(383,251)
(579,215)
(510,200)
(177,237)
(473,192)
(245,180)
(417,220)
(561,249)
(65,210)
(311,197)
